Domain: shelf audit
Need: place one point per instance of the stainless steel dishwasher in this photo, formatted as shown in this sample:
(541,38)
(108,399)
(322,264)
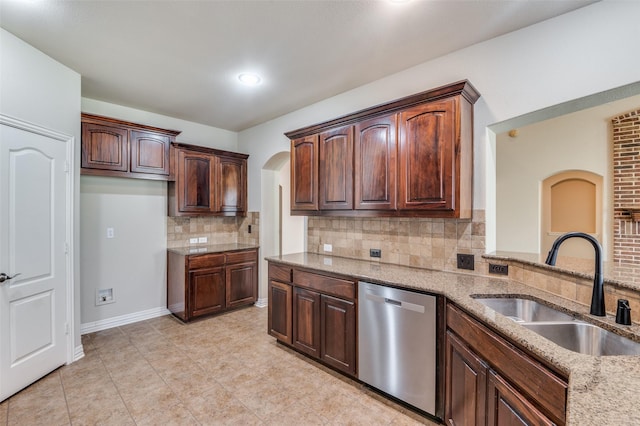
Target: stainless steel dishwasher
(397,343)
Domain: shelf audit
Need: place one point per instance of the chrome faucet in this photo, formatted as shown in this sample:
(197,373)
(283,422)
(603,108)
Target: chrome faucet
(597,296)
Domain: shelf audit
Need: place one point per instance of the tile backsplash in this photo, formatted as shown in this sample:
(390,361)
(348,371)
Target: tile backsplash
(218,230)
(419,242)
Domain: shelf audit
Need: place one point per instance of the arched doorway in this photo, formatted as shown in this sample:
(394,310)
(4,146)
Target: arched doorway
(280,233)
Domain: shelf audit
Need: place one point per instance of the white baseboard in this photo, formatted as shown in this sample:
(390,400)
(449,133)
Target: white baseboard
(122,320)
(262,303)
(78,353)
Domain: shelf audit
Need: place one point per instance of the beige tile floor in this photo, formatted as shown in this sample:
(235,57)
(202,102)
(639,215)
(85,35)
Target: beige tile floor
(222,370)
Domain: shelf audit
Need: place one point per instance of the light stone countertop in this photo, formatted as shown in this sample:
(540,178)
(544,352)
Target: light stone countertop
(212,248)
(602,390)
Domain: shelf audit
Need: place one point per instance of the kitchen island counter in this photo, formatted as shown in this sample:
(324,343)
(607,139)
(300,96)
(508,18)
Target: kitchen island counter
(602,390)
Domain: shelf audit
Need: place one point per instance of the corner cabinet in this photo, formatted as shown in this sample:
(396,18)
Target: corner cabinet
(118,148)
(410,157)
(315,314)
(488,381)
(207,182)
(200,284)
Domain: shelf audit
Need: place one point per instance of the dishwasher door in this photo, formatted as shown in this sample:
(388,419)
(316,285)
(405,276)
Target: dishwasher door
(397,343)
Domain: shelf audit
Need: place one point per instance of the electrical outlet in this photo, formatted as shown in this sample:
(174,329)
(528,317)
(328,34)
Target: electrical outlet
(111,233)
(202,240)
(328,248)
(375,253)
(498,269)
(465,261)
(193,241)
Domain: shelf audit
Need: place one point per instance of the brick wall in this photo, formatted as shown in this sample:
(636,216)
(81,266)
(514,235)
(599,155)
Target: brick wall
(626,193)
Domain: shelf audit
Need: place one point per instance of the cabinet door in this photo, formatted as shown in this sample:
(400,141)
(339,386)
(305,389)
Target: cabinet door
(231,183)
(195,189)
(207,288)
(507,407)
(375,164)
(335,187)
(427,149)
(304,173)
(338,333)
(149,153)
(242,282)
(465,385)
(280,315)
(306,321)
(105,147)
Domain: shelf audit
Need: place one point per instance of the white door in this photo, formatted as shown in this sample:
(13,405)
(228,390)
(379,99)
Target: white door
(33,260)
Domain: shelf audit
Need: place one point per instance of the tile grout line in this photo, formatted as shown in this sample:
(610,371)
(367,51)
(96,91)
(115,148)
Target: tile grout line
(64,394)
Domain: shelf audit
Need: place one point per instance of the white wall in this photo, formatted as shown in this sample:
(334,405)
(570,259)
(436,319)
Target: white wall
(191,133)
(576,141)
(39,90)
(134,262)
(571,56)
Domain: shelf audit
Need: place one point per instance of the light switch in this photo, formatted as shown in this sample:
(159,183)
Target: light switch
(328,248)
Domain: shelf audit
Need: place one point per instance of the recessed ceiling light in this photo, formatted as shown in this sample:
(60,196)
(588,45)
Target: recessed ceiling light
(249,79)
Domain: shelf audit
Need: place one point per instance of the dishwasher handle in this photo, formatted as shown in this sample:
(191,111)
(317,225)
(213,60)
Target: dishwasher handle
(392,302)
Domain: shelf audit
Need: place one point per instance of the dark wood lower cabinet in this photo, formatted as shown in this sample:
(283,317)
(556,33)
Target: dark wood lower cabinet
(207,291)
(306,321)
(507,406)
(203,284)
(466,385)
(315,314)
(240,284)
(280,314)
(490,382)
(337,333)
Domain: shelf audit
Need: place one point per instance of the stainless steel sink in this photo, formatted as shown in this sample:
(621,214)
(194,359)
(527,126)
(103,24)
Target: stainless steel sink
(524,310)
(585,338)
(562,328)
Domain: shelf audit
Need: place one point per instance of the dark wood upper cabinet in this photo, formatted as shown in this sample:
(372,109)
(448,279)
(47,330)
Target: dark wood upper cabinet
(304,173)
(409,157)
(207,182)
(149,153)
(105,147)
(427,157)
(375,164)
(335,174)
(195,182)
(118,148)
(231,177)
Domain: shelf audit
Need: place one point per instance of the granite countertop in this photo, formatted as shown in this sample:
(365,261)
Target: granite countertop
(602,390)
(213,248)
(620,274)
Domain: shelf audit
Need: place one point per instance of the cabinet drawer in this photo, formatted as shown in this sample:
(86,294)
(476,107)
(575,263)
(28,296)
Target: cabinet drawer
(328,285)
(206,261)
(243,256)
(279,273)
(534,380)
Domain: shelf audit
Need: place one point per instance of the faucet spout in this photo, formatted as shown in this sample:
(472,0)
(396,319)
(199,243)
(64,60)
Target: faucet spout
(597,296)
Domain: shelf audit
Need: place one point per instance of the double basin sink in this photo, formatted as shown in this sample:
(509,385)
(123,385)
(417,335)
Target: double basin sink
(562,328)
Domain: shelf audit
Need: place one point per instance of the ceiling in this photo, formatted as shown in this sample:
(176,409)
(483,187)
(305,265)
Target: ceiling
(181,58)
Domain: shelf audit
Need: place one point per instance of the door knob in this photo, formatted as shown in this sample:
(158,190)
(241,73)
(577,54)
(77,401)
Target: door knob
(4,277)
